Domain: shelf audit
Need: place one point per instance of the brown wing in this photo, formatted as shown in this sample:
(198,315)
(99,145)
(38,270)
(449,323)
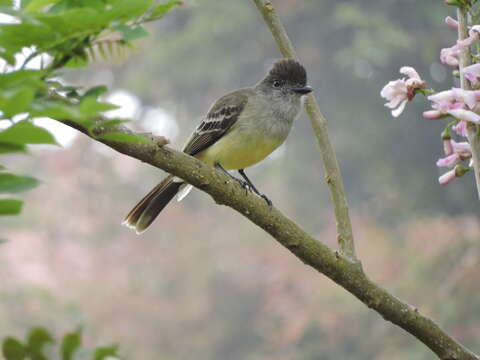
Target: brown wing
(221,116)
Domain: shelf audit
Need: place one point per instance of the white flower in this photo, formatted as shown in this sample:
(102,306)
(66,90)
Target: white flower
(399,92)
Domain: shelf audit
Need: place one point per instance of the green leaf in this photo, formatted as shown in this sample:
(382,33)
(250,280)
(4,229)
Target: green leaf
(7,3)
(161,9)
(125,138)
(36,5)
(77,62)
(11,148)
(103,352)
(131,33)
(10,183)
(10,207)
(2,167)
(21,77)
(64,5)
(18,102)
(70,343)
(124,10)
(37,338)
(8,56)
(86,124)
(12,348)
(74,23)
(24,3)
(17,90)
(16,36)
(56,110)
(24,132)
(96,91)
(91,107)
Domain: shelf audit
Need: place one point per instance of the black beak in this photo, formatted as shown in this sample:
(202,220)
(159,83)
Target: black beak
(302,90)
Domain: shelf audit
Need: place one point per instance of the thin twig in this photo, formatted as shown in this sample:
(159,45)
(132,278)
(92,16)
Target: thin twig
(472,129)
(319,124)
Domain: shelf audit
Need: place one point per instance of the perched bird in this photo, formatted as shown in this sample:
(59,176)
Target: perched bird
(241,129)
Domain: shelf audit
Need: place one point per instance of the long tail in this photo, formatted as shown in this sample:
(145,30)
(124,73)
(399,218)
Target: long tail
(143,214)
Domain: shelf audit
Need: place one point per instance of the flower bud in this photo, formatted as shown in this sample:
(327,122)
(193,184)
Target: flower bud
(458,171)
(451,22)
(465,115)
(447,142)
(447,147)
(433,114)
(447,178)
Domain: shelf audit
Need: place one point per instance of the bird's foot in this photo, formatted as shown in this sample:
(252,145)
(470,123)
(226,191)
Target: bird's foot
(245,185)
(249,188)
(269,202)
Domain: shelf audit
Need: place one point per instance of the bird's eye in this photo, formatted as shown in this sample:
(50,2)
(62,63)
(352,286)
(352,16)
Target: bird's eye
(277,83)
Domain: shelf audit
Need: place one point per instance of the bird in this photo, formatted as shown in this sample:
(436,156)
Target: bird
(240,129)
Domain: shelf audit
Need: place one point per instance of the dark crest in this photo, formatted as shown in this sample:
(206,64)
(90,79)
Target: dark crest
(290,71)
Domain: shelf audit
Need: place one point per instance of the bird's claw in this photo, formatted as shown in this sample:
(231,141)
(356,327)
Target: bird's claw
(249,188)
(244,185)
(269,202)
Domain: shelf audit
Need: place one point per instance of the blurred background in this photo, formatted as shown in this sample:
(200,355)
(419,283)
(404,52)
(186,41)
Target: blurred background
(203,282)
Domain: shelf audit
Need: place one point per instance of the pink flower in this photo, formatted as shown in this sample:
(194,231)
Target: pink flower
(472,73)
(455,152)
(473,36)
(410,72)
(451,175)
(399,92)
(433,114)
(455,98)
(447,178)
(460,128)
(451,22)
(463,149)
(444,100)
(465,115)
(449,160)
(449,56)
(395,92)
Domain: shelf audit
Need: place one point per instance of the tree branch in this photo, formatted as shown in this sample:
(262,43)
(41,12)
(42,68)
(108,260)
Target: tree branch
(334,265)
(473,134)
(319,124)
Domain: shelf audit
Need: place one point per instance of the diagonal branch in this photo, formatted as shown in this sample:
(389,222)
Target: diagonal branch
(319,124)
(312,252)
(473,134)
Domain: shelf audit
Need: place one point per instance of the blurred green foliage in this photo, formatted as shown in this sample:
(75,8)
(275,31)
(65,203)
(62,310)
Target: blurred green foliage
(63,32)
(36,347)
(15,138)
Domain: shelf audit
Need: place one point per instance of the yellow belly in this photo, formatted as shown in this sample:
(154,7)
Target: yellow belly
(233,154)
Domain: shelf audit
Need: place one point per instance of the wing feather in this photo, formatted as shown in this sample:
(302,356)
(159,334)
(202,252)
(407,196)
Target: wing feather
(220,118)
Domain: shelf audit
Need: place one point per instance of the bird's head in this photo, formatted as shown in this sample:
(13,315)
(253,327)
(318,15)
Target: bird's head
(286,77)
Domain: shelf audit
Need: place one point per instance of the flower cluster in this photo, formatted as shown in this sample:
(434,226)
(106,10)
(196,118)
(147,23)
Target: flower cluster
(450,56)
(455,152)
(460,104)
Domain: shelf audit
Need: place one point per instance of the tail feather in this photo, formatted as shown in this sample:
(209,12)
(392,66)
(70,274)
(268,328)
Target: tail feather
(143,214)
(184,192)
